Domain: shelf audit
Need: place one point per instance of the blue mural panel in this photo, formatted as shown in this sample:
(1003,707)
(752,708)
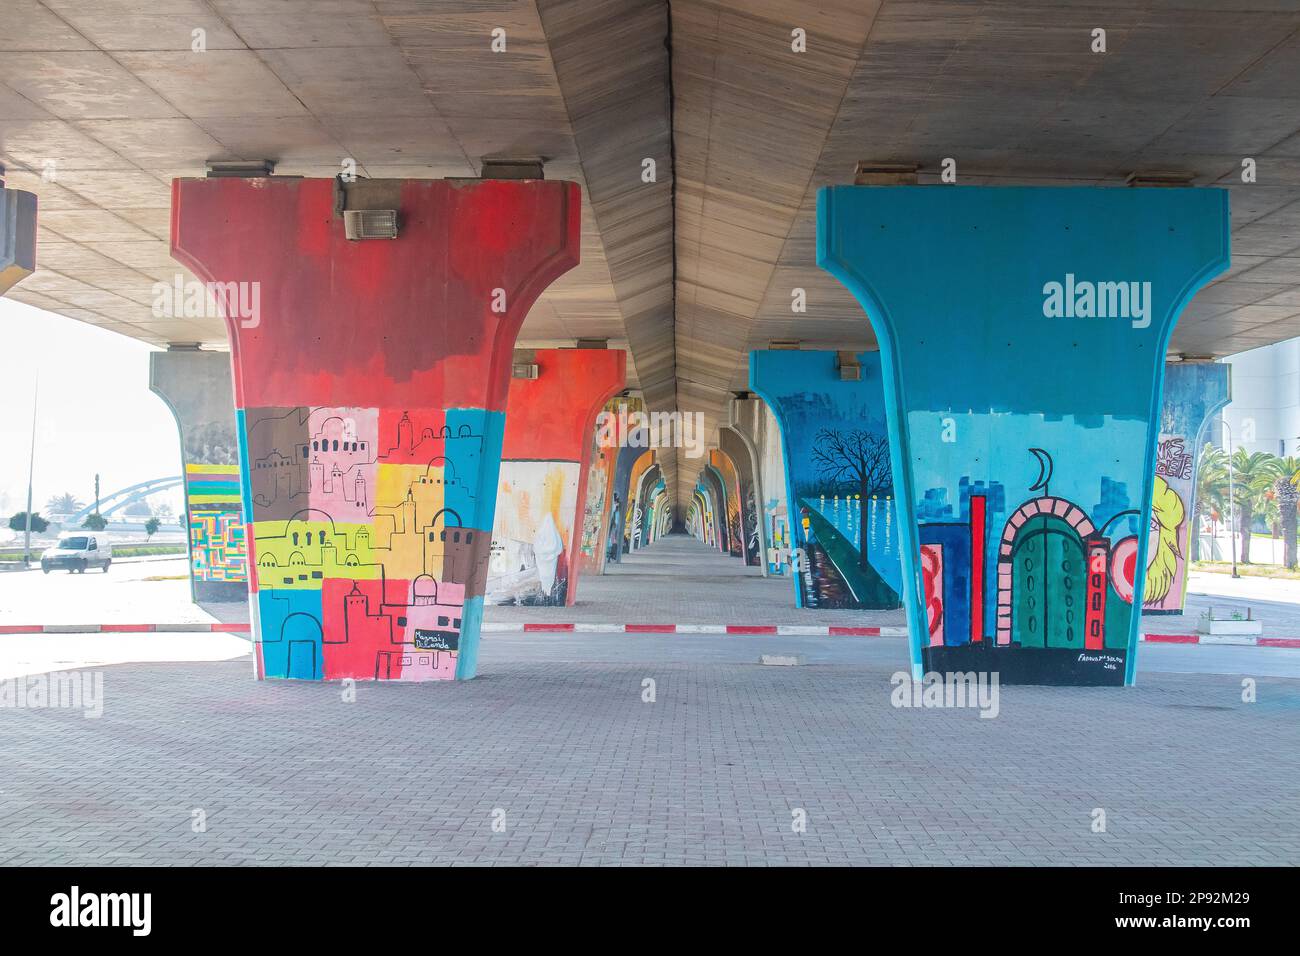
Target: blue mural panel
(839,477)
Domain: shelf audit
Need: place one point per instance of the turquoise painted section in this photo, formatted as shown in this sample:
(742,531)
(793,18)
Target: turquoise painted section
(467,660)
(1023,333)
(1193,394)
(838,477)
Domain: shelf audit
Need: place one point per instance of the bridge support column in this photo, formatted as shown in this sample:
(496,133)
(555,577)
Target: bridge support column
(545,461)
(838,477)
(196,387)
(1194,393)
(17,235)
(370,384)
(753,420)
(1023,334)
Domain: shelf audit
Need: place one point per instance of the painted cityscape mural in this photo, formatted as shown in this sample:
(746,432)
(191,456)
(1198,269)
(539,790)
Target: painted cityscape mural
(1193,393)
(371,392)
(838,476)
(1023,335)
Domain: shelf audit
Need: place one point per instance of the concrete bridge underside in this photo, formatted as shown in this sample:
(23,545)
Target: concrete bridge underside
(102,104)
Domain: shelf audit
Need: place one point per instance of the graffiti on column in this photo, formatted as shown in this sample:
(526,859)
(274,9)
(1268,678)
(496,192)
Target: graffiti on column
(1024,405)
(731,485)
(1193,393)
(843,532)
(364,531)
(216,522)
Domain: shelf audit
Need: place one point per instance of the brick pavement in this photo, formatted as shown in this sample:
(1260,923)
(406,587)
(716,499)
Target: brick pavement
(587,773)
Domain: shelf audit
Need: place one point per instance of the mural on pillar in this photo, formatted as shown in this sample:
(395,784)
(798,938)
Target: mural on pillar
(370,394)
(730,479)
(365,531)
(631,451)
(218,551)
(1194,393)
(632,526)
(839,477)
(753,417)
(1025,331)
(546,456)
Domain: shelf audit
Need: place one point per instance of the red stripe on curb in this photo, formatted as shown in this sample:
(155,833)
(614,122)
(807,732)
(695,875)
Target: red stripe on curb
(128,628)
(1277,642)
(548,627)
(853,631)
(1171,638)
(751,628)
(650,628)
(20,629)
(236,627)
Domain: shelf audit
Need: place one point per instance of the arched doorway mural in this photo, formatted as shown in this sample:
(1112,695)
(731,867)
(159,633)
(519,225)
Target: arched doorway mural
(1043,580)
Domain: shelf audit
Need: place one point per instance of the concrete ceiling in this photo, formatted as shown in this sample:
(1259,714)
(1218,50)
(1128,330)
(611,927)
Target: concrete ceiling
(691,271)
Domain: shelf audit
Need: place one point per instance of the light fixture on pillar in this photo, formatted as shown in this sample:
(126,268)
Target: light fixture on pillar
(849,368)
(370,223)
(593,344)
(869,173)
(790,345)
(524,364)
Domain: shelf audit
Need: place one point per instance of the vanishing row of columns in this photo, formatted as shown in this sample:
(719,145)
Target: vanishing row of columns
(992,468)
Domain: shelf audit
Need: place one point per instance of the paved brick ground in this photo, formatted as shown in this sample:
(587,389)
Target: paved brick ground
(587,773)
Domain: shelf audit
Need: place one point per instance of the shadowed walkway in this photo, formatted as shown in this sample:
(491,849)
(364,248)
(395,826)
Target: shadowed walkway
(679,580)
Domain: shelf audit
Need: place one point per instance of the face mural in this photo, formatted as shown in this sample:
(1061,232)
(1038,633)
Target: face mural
(1193,394)
(1023,334)
(839,477)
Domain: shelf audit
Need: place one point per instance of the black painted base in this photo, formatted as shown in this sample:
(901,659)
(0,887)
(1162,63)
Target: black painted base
(220,591)
(1055,666)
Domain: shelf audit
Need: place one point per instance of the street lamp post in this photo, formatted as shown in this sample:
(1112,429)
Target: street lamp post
(31,468)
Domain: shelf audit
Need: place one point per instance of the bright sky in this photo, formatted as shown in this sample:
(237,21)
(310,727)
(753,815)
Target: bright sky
(96,412)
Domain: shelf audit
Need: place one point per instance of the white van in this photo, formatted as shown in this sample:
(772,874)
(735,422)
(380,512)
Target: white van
(78,550)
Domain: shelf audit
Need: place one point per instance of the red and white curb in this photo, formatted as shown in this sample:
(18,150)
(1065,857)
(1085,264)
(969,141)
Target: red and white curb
(489,627)
(204,628)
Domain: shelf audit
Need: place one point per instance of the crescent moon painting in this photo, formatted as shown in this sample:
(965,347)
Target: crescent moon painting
(1044,469)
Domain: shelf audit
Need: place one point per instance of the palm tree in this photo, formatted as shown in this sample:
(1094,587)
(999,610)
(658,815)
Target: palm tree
(1286,490)
(1253,475)
(64,504)
(1211,491)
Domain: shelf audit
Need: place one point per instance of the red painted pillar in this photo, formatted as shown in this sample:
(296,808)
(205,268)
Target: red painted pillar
(544,464)
(370,388)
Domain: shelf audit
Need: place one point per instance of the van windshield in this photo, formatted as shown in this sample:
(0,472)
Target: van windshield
(73,544)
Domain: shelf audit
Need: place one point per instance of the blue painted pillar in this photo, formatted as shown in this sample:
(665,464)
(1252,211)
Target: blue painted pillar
(1023,334)
(1194,393)
(838,477)
(17,235)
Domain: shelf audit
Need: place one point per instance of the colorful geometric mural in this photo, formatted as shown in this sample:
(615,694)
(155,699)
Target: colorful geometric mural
(1023,333)
(839,479)
(1194,393)
(212,500)
(371,394)
(546,460)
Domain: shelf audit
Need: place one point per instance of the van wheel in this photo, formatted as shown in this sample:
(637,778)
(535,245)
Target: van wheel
(106,564)
(45,570)
(81,568)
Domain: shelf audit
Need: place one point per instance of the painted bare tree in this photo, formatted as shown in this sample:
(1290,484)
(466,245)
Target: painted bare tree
(857,462)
